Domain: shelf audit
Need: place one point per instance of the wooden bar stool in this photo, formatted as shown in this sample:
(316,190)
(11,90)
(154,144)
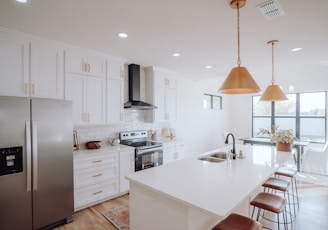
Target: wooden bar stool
(270,202)
(237,222)
(277,184)
(290,173)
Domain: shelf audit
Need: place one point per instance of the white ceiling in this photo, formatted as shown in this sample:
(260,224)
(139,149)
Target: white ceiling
(203,31)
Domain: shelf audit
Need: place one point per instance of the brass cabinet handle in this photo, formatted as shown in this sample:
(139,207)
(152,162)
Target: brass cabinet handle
(25,88)
(97,161)
(97,175)
(95,193)
(33,89)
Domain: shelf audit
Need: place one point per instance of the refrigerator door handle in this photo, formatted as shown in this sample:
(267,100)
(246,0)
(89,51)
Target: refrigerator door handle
(28,156)
(35,154)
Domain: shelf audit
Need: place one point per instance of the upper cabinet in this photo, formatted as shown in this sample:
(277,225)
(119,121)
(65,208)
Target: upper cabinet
(85,64)
(85,85)
(115,91)
(14,61)
(161,92)
(47,71)
(30,67)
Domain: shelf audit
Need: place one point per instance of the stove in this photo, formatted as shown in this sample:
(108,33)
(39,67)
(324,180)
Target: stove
(147,153)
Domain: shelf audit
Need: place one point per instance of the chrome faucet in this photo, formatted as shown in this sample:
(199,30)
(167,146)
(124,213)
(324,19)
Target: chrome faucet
(233,145)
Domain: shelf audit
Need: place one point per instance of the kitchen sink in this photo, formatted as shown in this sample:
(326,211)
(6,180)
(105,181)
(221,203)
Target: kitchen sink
(211,159)
(221,155)
(214,157)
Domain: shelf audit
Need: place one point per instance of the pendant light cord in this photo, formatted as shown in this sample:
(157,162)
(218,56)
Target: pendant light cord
(273,77)
(238,35)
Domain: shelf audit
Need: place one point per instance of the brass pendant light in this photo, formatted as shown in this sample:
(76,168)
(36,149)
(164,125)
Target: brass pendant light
(273,92)
(239,80)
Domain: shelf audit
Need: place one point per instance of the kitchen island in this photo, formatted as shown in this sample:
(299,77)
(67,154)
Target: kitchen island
(193,194)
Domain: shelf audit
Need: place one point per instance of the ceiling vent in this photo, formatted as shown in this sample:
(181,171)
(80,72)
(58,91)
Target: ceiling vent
(271,9)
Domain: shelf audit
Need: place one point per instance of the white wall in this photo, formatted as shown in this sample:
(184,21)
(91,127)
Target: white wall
(203,128)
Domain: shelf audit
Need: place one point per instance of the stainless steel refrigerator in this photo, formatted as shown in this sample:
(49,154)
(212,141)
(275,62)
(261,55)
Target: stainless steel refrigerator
(36,163)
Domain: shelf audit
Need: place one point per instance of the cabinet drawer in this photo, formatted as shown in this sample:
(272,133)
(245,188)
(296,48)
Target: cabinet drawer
(92,194)
(168,147)
(91,176)
(95,161)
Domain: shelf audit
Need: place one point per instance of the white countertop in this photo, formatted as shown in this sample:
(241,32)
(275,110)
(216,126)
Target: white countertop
(214,187)
(103,149)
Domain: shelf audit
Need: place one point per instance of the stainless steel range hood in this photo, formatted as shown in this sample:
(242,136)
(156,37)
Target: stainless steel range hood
(134,91)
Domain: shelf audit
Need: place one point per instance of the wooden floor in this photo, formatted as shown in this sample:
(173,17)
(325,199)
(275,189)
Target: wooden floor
(92,218)
(313,213)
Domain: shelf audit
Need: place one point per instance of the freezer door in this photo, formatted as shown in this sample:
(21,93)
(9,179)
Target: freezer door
(15,184)
(52,149)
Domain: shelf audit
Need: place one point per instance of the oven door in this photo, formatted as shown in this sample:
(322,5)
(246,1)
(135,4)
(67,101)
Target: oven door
(148,157)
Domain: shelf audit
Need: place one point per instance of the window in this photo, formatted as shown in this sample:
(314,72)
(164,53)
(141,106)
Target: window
(212,102)
(304,113)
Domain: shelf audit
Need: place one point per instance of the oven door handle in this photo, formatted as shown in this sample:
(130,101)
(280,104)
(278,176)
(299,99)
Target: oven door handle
(143,151)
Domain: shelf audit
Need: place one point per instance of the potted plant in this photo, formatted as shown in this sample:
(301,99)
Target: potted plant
(284,139)
(268,132)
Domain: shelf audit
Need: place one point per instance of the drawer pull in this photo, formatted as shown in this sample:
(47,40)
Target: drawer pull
(95,193)
(97,161)
(100,174)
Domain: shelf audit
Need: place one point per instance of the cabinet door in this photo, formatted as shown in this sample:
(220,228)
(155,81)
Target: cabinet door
(170,104)
(84,63)
(14,67)
(46,71)
(115,103)
(75,62)
(160,103)
(96,100)
(168,152)
(126,168)
(115,69)
(75,91)
(96,66)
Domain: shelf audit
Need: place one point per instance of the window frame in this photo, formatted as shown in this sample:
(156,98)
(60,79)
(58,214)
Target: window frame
(212,101)
(297,116)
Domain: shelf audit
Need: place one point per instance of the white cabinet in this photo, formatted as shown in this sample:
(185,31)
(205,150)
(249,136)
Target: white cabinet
(115,91)
(126,168)
(47,71)
(181,150)
(173,151)
(30,67)
(88,95)
(115,68)
(85,64)
(162,92)
(14,69)
(168,152)
(85,85)
(96,177)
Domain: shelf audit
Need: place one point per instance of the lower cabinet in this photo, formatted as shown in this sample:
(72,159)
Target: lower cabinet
(126,168)
(173,151)
(96,177)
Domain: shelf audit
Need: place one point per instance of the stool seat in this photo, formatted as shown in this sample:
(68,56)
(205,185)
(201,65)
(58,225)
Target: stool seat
(270,202)
(286,172)
(236,222)
(277,184)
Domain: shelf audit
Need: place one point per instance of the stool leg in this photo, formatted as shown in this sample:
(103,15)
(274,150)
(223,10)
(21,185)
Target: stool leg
(298,203)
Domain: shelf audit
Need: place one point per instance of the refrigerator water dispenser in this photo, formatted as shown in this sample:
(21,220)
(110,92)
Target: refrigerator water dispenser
(11,160)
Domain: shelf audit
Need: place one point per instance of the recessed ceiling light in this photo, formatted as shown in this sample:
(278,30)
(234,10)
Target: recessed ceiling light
(22,1)
(176,55)
(296,49)
(208,67)
(122,35)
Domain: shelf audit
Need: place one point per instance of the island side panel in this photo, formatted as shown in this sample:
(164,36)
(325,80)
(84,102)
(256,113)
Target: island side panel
(152,210)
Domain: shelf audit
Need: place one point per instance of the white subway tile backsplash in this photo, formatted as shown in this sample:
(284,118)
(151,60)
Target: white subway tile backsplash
(133,120)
